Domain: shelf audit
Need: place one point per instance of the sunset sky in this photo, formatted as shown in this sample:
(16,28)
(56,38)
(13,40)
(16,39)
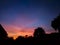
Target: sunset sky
(21,17)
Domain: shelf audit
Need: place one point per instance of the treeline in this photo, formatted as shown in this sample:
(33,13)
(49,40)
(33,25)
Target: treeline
(39,36)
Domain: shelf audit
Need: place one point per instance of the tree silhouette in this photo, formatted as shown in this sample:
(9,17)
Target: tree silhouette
(39,32)
(3,33)
(56,23)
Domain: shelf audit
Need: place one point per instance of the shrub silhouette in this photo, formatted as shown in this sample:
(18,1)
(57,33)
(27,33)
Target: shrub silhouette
(39,32)
(3,33)
(56,23)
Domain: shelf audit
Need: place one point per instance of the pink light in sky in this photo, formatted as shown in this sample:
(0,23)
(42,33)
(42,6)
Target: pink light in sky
(20,26)
(24,21)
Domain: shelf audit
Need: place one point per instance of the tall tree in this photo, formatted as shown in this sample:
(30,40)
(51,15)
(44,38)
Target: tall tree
(3,33)
(56,23)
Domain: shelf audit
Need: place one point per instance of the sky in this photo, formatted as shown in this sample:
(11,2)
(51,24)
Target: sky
(21,17)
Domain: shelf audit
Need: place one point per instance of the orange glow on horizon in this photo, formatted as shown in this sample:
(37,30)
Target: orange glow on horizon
(15,31)
(19,34)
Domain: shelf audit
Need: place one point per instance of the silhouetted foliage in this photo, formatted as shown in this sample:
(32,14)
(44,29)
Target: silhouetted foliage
(39,37)
(39,32)
(56,23)
(3,33)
